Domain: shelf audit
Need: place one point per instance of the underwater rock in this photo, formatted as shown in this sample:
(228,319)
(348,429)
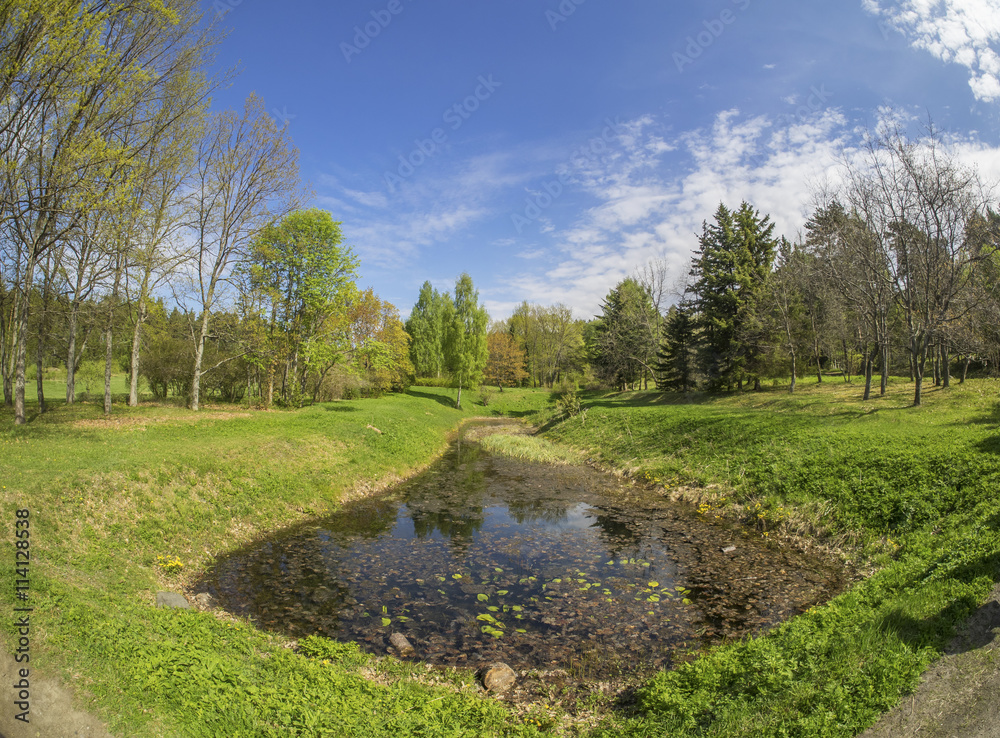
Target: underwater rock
(403,647)
(728,549)
(498,677)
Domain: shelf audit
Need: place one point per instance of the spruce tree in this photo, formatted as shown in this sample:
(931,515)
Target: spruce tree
(729,273)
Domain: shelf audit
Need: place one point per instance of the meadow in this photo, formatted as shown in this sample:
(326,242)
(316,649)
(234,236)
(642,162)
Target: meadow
(122,507)
(907,497)
(125,506)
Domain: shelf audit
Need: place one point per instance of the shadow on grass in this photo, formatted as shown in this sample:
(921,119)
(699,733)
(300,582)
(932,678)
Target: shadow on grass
(440,399)
(332,407)
(964,624)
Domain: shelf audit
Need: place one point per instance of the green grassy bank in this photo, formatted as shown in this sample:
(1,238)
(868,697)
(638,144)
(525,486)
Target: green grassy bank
(126,506)
(123,507)
(912,493)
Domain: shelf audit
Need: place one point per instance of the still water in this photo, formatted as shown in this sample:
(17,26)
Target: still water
(483,558)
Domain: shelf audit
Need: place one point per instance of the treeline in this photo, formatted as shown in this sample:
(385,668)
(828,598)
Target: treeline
(118,186)
(896,273)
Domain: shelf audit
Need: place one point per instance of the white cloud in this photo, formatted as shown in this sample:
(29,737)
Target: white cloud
(651,207)
(965,32)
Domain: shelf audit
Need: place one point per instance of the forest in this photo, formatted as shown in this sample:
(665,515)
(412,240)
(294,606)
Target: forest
(142,233)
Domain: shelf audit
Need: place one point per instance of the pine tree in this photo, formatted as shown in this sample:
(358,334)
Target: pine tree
(676,357)
(729,273)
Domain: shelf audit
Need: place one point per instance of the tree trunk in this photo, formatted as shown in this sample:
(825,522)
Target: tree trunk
(816,352)
(918,358)
(458,402)
(74,311)
(869,371)
(847,361)
(884,382)
(40,371)
(945,366)
(133,387)
(108,357)
(199,352)
(791,390)
(43,328)
(965,369)
(21,328)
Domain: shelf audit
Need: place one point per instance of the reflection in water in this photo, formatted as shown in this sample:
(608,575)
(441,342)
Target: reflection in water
(486,558)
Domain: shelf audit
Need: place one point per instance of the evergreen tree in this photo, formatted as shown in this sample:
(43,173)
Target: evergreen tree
(622,347)
(729,274)
(676,357)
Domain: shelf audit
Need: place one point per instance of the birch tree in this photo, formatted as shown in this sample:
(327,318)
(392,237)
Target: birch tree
(246,176)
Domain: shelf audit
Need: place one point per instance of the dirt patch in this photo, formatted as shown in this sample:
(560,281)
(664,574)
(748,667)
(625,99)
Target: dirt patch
(959,696)
(52,713)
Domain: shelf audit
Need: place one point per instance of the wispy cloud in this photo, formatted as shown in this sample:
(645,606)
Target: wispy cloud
(652,207)
(965,32)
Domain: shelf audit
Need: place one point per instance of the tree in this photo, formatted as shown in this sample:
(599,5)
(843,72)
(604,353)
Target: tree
(856,268)
(426,328)
(304,275)
(677,355)
(246,174)
(72,76)
(379,344)
(729,273)
(465,347)
(623,350)
(506,360)
(552,340)
(783,298)
(916,203)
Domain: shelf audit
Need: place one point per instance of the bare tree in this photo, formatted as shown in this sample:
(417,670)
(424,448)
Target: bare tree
(916,204)
(246,177)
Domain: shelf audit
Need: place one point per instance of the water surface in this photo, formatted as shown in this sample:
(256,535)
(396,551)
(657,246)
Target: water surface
(484,558)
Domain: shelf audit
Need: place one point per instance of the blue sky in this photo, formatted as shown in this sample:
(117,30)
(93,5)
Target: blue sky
(550,148)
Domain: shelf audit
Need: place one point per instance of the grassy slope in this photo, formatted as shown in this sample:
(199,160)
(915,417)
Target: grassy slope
(108,497)
(915,488)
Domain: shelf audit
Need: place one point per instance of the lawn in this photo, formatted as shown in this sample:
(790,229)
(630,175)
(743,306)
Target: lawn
(142,501)
(908,495)
(122,507)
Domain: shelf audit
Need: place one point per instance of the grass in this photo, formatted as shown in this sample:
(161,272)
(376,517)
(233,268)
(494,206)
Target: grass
(530,448)
(123,507)
(143,501)
(910,492)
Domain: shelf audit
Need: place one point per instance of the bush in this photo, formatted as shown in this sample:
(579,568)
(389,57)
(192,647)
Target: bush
(166,366)
(566,398)
(486,394)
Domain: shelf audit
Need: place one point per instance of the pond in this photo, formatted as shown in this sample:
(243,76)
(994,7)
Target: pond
(485,558)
